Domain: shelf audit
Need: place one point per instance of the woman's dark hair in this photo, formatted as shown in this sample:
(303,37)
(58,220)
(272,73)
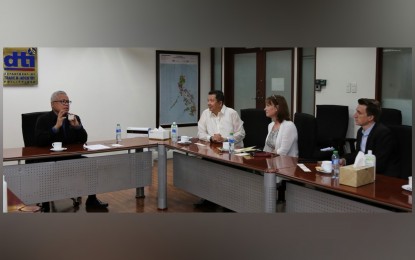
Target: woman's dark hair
(372,107)
(283,112)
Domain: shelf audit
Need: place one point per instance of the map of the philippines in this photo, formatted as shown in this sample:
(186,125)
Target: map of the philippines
(179,88)
(188,99)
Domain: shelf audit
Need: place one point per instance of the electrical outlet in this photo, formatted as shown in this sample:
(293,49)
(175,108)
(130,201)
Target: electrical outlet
(348,88)
(353,87)
(317,87)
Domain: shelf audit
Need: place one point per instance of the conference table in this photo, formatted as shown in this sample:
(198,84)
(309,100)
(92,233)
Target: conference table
(77,171)
(242,183)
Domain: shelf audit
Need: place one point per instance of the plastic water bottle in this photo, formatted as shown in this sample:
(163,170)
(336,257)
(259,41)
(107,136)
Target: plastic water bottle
(335,161)
(174,132)
(231,141)
(118,133)
(370,160)
(4,195)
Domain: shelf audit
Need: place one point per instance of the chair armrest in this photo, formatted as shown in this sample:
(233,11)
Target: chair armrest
(351,142)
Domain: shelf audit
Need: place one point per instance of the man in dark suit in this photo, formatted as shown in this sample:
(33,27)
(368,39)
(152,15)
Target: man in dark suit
(374,136)
(61,126)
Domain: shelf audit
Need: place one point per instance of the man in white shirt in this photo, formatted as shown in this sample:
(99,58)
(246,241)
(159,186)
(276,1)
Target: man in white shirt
(218,121)
(216,124)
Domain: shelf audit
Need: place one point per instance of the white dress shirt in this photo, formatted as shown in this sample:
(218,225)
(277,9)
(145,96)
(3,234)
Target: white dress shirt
(365,135)
(227,121)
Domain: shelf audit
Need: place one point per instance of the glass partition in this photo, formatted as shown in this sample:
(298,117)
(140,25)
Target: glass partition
(397,81)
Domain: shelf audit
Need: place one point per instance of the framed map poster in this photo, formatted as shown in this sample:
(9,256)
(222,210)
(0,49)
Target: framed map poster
(178,88)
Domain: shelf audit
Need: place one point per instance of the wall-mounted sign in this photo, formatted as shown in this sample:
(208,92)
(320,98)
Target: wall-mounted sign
(19,66)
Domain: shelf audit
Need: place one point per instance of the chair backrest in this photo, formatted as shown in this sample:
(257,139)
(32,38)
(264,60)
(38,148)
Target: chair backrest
(28,127)
(332,124)
(256,126)
(390,116)
(306,125)
(403,135)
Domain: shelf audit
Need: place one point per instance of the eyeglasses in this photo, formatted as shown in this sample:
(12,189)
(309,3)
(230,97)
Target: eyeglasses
(63,101)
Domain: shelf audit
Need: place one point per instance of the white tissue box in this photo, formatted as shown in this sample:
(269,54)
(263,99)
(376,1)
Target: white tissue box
(356,177)
(159,135)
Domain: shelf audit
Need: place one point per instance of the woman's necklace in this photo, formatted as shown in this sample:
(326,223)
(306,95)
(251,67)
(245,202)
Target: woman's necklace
(276,126)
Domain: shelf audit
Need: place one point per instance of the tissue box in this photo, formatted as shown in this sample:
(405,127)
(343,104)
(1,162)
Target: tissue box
(356,177)
(159,135)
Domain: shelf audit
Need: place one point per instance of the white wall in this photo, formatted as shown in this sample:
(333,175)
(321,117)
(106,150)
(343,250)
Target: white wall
(118,85)
(107,86)
(340,66)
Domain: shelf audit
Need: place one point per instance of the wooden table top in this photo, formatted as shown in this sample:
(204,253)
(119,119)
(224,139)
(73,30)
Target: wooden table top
(28,153)
(211,151)
(385,190)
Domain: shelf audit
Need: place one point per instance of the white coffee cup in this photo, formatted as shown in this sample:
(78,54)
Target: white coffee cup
(410,181)
(71,117)
(327,166)
(184,138)
(57,145)
(225,146)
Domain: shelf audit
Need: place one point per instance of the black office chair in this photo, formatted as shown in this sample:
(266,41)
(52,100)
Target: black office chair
(28,130)
(403,135)
(390,116)
(256,127)
(306,125)
(332,125)
(28,127)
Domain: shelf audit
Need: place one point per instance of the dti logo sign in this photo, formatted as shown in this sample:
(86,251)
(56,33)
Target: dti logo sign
(20,60)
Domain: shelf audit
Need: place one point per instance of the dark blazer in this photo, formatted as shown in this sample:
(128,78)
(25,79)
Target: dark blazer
(67,134)
(383,145)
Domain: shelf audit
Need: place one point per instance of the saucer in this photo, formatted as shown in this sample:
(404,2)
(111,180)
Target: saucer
(320,169)
(188,142)
(58,150)
(407,187)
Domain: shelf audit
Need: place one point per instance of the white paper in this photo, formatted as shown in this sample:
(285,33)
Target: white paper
(327,149)
(96,147)
(117,145)
(277,84)
(360,160)
(247,149)
(303,167)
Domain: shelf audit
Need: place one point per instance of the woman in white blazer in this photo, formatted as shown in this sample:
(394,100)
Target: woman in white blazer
(282,135)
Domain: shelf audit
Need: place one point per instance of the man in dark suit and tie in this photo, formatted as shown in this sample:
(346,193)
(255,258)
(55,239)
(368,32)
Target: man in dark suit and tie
(374,136)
